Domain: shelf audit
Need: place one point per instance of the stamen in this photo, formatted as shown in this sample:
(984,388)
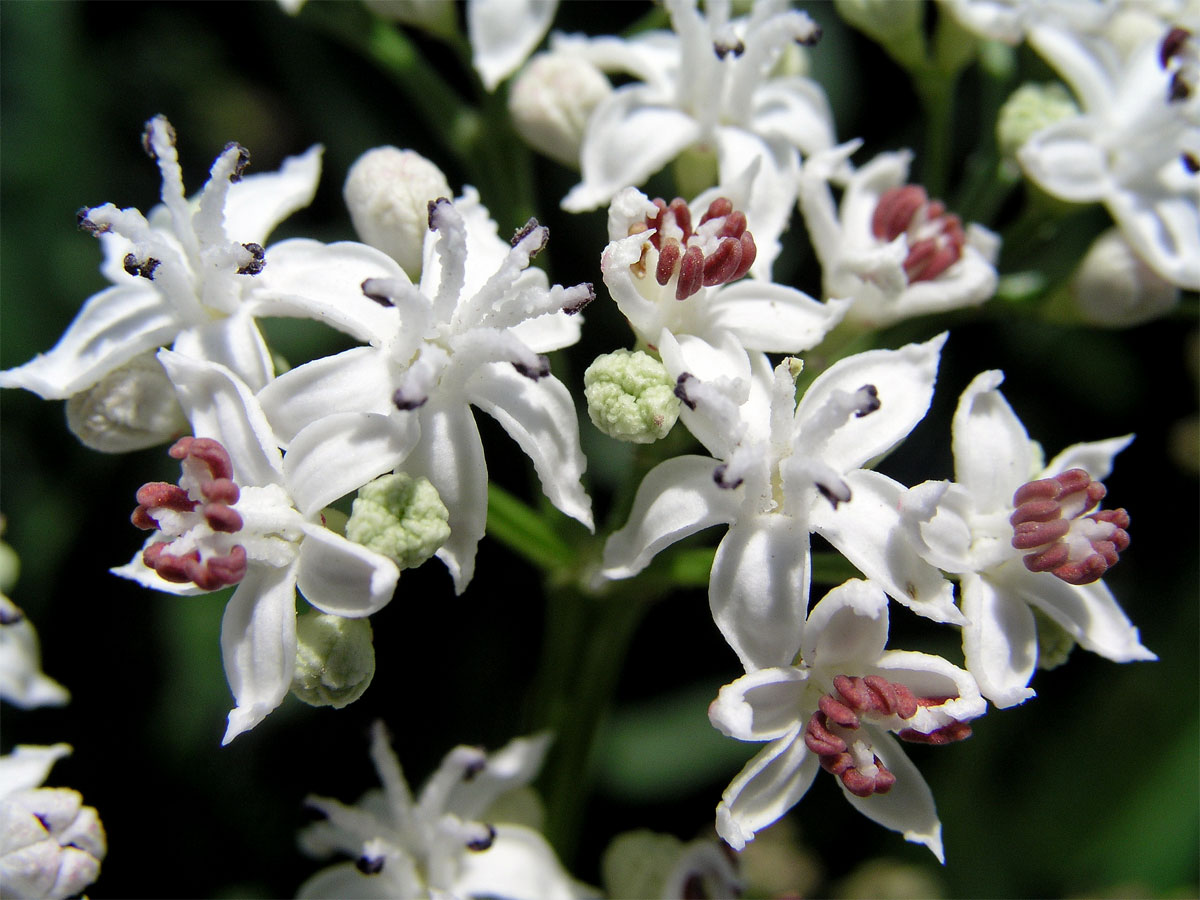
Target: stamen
(483,843)
(84,222)
(1049,520)
(541,370)
(723,49)
(434,208)
(719,476)
(681,389)
(405,403)
(256,262)
(1190,161)
(370,290)
(527,229)
(705,257)
(243,160)
(136,267)
(369,865)
(148,135)
(868,398)
(947,734)
(935,238)
(578,297)
(1179,54)
(1172,43)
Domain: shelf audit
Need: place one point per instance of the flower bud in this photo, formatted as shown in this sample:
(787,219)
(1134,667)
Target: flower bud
(551,100)
(630,396)
(1054,642)
(387,192)
(401,517)
(1114,287)
(335,659)
(1031,108)
(131,408)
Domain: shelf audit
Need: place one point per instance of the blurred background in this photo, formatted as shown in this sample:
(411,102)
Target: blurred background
(1092,789)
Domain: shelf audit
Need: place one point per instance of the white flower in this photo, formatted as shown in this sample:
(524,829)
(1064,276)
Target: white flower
(469,334)
(1136,145)
(503,33)
(22,681)
(710,85)
(180,275)
(440,844)
(1049,555)
(1008,20)
(833,709)
(790,468)
(676,272)
(51,845)
(242,514)
(889,248)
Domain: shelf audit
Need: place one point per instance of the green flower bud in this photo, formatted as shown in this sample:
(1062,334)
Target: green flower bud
(1031,108)
(1054,643)
(401,517)
(335,659)
(630,396)
(131,408)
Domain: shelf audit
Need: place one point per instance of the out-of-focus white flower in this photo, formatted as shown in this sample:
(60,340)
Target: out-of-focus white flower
(242,514)
(22,681)
(833,710)
(780,470)
(649,864)
(1009,20)
(711,85)
(51,845)
(469,334)
(441,843)
(1020,534)
(503,33)
(182,276)
(1113,286)
(889,248)
(551,100)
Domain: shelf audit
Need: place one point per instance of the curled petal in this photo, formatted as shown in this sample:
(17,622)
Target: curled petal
(770,784)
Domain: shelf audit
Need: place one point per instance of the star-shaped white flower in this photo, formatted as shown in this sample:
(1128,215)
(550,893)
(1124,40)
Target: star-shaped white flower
(1048,554)
(1136,145)
(242,514)
(780,470)
(469,334)
(441,844)
(709,84)
(888,247)
(833,709)
(181,275)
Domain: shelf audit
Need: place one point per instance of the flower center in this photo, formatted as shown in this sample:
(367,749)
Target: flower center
(718,251)
(1049,522)
(197,515)
(935,237)
(833,731)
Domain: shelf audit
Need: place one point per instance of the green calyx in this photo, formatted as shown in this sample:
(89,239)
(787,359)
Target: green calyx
(401,517)
(630,396)
(335,659)
(1031,108)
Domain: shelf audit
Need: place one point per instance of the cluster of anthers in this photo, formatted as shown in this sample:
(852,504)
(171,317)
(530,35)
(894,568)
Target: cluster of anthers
(205,495)
(718,251)
(1049,522)
(831,732)
(935,237)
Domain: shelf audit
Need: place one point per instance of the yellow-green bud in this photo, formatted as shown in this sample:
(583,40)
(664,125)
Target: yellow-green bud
(1031,108)
(131,408)
(630,396)
(335,659)
(1054,643)
(401,517)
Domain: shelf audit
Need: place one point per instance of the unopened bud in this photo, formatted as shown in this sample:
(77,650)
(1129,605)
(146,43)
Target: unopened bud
(551,100)
(1114,287)
(630,396)
(401,517)
(335,659)
(1054,642)
(387,192)
(1031,108)
(131,408)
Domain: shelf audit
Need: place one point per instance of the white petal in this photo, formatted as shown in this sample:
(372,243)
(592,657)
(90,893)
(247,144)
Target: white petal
(904,380)
(869,531)
(540,416)
(770,784)
(773,192)
(234,342)
(1068,160)
(514,765)
(992,452)
(762,705)
(772,317)
(399,878)
(341,577)
(999,641)
(908,807)
(1094,457)
(552,331)
(220,406)
(257,203)
(28,765)
(675,499)
(847,628)
(795,109)
(340,453)
(113,326)
(258,644)
(136,570)
(1163,230)
(519,863)
(758,591)
(503,33)
(931,676)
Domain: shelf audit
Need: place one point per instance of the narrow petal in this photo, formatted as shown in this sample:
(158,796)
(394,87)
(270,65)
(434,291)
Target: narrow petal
(762,705)
(770,784)
(992,452)
(774,318)
(514,765)
(758,591)
(258,644)
(257,203)
(341,577)
(928,676)
(234,342)
(340,453)
(773,192)
(504,33)
(1069,160)
(540,416)
(113,326)
(520,863)
(1164,229)
(847,628)
(28,766)
(999,641)
(136,570)
(676,498)
(1094,457)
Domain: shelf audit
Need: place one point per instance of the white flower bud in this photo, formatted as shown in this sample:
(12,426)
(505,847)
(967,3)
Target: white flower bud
(335,659)
(387,192)
(1031,108)
(131,408)
(401,517)
(630,396)
(551,100)
(1114,287)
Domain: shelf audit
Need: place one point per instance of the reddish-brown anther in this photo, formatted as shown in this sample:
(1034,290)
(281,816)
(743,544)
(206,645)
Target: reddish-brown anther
(947,734)
(935,238)
(690,255)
